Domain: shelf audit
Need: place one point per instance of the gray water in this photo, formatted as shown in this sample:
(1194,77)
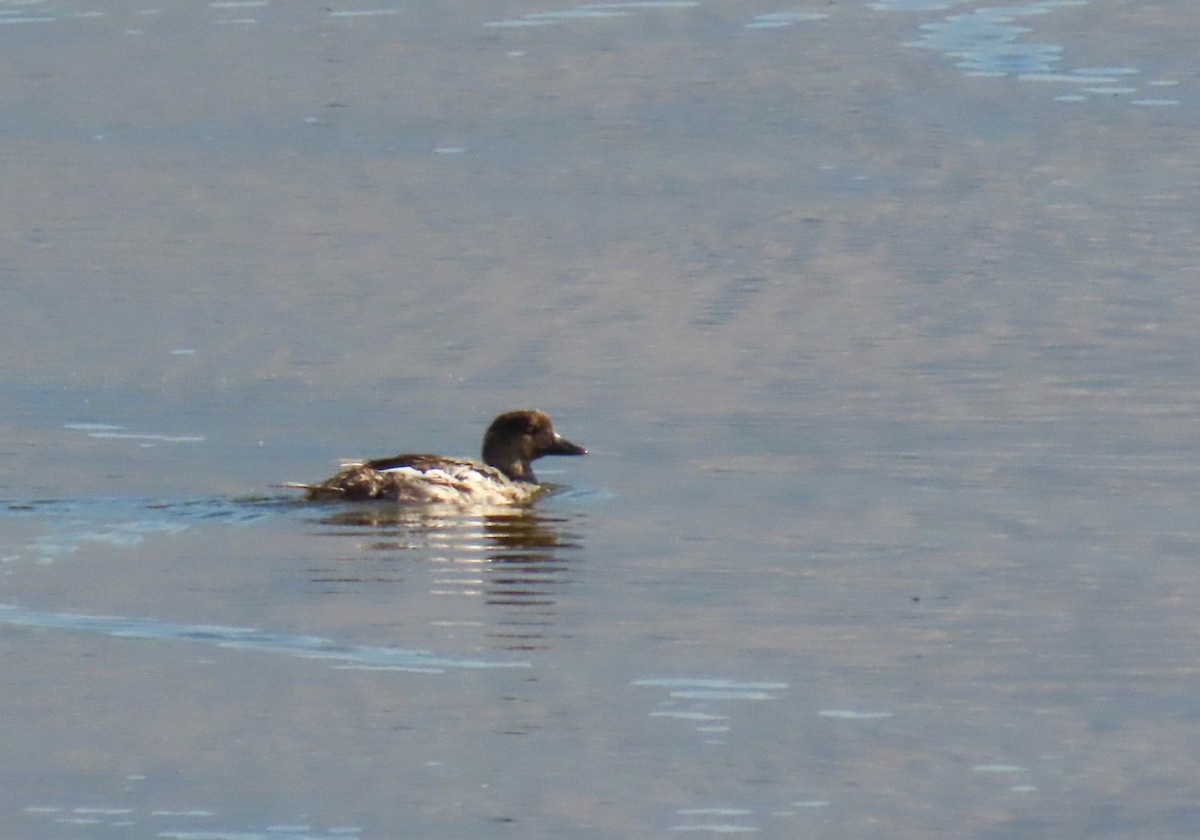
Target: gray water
(879,321)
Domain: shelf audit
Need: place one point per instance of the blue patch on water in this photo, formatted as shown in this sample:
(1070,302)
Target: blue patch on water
(362,12)
(222,509)
(590,11)
(777,20)
(196,824)
(731,299)
(118,521)
(364,657)
(694,699)
(988,41)
(915,5)
(115,432)
(755,688)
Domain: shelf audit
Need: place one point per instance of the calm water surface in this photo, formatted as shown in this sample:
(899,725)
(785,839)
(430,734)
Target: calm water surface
(878,320)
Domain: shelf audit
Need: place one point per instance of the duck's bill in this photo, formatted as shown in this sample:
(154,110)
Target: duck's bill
(562,446)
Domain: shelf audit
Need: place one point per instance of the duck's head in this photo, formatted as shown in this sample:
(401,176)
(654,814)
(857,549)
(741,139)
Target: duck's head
(517,438)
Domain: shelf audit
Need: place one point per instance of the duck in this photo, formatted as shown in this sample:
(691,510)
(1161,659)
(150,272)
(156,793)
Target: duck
(511,443)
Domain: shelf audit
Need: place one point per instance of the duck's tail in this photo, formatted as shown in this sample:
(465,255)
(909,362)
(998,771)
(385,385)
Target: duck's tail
(309,488)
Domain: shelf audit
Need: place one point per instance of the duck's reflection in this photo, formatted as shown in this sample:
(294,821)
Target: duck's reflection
(517,559)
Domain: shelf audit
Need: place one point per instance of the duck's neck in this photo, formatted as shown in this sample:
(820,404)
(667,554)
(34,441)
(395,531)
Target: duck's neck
(510,461)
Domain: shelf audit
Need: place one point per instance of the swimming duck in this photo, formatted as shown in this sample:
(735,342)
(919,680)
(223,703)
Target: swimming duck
(511,443)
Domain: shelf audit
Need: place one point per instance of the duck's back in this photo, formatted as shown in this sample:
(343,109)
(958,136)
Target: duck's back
(424,479)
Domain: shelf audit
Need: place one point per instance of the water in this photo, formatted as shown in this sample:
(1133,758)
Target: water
(877,320)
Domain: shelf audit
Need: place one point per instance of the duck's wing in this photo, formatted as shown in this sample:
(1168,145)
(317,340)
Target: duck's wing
(421,462)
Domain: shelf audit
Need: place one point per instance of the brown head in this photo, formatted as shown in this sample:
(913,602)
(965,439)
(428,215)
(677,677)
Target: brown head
(517,438)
